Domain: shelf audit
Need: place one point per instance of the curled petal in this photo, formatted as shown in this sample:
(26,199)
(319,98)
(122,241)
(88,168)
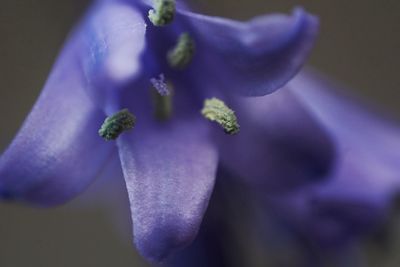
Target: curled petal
(255,57)
(364,179)
(169,171)
(368,145)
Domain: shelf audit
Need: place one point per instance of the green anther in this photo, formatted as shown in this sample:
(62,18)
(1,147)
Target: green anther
(114,125)
(181,55)
(216,110)
(162,105)
(163,12)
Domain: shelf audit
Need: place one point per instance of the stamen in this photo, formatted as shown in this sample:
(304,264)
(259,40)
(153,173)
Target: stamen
(216,110)
(114,125)
(162,105)
(160,85)
(181,55)
(163,12)
(162,98)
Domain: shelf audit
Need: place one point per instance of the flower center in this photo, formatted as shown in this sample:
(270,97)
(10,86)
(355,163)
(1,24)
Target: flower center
(216,110)
(114,125)
(179,57)
(163,12)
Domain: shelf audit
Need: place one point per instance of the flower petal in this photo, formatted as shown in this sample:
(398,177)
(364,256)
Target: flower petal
(51,166)
(368,145)
(169,171)
(112,40)
(254,58)
(57,152)
(356,196)
(280,144)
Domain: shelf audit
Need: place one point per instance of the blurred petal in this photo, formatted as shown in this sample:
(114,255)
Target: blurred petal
(253,58)
(368,145)
(356,196)
(169,171)
(57,152)
(280,144)
(112,40)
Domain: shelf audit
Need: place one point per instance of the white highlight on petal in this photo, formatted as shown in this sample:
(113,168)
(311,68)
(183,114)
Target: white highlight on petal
(125,43)
(119,29)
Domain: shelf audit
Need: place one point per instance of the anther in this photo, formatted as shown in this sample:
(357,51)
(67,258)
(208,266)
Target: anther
(216,110)
(163,12)
(181,55)
(114,125)
(160,85)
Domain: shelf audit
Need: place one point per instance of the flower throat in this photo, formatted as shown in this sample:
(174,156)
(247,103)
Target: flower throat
(178,57)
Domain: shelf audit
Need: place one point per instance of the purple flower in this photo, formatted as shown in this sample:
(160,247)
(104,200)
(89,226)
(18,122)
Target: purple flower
(110,67)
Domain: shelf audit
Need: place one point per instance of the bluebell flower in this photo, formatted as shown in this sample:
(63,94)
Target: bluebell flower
(159,85)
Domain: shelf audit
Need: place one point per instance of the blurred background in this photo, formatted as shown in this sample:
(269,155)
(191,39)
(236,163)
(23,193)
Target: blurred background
(358,45)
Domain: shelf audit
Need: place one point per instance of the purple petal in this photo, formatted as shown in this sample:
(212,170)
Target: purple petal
(280,144)
(368,145)
(111,42)
(252,58)
(57,152)
(169,171)
(356,195)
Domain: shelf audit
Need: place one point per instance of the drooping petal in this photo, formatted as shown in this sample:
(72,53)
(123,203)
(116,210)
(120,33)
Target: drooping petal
(251,58)
(169,171)
(356,195)
(58,152)
(280,144)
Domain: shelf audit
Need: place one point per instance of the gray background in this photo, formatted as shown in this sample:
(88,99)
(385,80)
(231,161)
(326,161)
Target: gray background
(358,45)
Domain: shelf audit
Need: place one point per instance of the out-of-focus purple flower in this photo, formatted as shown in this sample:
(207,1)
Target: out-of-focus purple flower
(357,195)
(287,139)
